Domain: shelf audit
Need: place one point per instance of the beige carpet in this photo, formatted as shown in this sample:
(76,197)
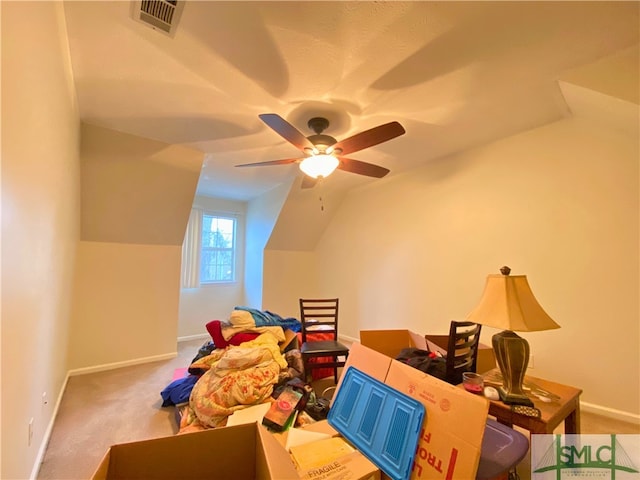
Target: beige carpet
(116,406)
(124,405)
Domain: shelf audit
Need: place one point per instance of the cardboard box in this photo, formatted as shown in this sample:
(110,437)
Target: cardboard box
(307,443)
(390,342)
(451,440)
(289,337)
(241,452)
(333,458)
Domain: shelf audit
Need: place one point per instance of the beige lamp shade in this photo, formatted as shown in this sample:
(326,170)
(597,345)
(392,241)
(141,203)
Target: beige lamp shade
(508,303)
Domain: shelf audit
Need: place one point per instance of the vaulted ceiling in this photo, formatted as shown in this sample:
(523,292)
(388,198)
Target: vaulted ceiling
(454,74)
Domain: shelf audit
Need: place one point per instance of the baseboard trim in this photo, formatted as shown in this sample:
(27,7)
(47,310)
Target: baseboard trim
(126,363)
(348,339)
(610,413)
(186,338)
(82,371)
(47,434)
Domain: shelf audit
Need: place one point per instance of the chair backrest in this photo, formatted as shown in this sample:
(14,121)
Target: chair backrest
(462,351)
(319,315)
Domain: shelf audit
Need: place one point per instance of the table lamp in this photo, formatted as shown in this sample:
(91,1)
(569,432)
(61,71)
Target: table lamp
(508,303)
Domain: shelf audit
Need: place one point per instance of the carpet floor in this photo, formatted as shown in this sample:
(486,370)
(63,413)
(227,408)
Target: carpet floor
(124,405)
(115,406)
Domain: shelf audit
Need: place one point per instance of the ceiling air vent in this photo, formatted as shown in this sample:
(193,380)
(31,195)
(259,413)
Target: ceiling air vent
(161,15)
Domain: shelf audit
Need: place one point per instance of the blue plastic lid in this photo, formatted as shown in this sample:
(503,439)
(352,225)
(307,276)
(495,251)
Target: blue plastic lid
(383,423)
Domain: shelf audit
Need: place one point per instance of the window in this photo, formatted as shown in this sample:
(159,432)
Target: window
(217,249)
(209,249)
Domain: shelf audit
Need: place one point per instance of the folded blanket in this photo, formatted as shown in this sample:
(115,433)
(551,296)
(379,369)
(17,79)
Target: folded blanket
(241,318)
(267,318)
(228,331)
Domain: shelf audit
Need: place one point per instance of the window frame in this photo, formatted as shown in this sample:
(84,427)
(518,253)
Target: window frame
(190,269)
(233,249)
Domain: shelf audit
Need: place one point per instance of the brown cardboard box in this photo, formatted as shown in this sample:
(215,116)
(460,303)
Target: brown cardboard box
(243,452)
(316,460)
(333,458)
(289,336)
(390,342)
(451,439)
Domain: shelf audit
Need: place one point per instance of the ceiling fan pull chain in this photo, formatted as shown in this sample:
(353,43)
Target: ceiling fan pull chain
(320,188)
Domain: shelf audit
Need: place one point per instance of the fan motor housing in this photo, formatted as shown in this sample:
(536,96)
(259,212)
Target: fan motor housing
(318,125)
(322,140)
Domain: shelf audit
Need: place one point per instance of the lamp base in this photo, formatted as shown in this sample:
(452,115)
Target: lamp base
(512,355)
(514,399)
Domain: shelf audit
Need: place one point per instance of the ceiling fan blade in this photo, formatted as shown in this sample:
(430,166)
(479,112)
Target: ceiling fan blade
(308,182)
(369,138)
(270,162)
(287,131)
(362,168)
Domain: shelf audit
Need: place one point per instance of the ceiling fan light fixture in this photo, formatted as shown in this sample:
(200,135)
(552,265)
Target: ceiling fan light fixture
(319,165)
(323,154)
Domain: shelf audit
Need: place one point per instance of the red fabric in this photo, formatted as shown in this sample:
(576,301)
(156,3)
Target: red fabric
(214,329)
(318,373)
(242,337)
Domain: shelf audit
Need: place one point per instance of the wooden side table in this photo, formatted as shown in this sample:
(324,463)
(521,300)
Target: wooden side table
(565,406)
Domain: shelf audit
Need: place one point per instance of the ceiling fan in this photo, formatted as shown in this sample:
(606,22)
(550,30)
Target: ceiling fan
(323,154)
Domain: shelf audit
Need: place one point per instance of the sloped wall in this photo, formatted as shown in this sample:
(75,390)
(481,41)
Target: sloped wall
(136,198)
(136,190)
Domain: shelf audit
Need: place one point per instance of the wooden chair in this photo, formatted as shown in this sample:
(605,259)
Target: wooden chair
(319,318)
(462,350)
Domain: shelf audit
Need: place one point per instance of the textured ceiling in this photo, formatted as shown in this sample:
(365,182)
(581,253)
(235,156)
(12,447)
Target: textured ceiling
(454,74)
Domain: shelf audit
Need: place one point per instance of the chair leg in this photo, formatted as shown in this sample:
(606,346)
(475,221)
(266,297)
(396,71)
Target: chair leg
(305,365)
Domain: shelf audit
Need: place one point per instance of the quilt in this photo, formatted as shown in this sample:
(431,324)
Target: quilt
(234,378)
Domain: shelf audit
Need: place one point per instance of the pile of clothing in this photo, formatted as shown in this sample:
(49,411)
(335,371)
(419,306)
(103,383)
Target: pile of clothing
(240,366)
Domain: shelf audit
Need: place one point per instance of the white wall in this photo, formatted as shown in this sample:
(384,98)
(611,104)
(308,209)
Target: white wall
(125,305)
(558,204)
(262,214)
(198,306)
(288,277)
(40,223)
